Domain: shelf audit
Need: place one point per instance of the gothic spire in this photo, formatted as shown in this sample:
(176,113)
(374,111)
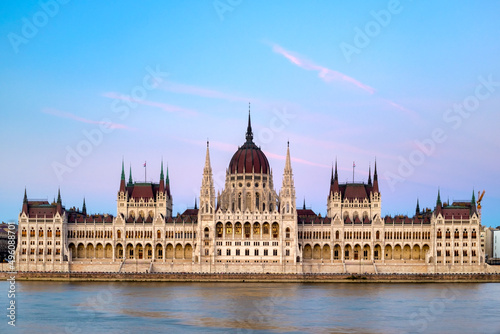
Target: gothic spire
(375,178)
(249,135)
(161,172)
(130,176)
(123,171)
(473,201)
(369,175)
(288,164)
(417,210)
(84,207)
(438,202)
(25,200)
(331,178)
(304,207)
(59,196)
(195,204)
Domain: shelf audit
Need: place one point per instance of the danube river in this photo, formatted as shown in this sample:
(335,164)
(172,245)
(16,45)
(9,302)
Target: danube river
(124,307)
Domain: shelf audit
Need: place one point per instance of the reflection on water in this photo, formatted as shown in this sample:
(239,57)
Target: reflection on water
(122,307)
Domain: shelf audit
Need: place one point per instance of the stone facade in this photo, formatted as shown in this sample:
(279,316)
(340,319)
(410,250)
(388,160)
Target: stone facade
(250,227)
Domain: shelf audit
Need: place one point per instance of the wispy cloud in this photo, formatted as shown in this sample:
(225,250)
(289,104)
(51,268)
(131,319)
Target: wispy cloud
(329,75)
(63,114)
(161,105)
(201,91)
(294,159)
(326,74)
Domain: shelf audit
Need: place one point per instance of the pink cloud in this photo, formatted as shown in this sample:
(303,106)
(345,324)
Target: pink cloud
(200,91)
(298,160)
(68,115)
(324,73)
(163,106)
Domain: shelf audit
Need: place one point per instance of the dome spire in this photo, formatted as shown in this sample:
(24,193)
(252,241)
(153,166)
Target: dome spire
(249,135)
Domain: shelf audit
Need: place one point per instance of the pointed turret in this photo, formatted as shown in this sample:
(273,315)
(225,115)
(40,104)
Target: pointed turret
(59,201)
(439,205)
(304,207)
(162,181)
(375,179)
(334,187)
(473,208)
(195,204)
(417,209)
(369,175)
(130,181)
(25,202)
(84,207)
(331,178)
(122,181)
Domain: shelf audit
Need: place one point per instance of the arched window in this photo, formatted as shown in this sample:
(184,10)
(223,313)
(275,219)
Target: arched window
(23,233)
(377,235)
(229,229)
(337,235)
(206,232)
(58,233)
(287,235)
(465,235)
(219,228)
(247,229)
(439,234)
(239,201)
(158,234)
(474,233)
(257,201)
(448,234)
(457,234)
(275,229)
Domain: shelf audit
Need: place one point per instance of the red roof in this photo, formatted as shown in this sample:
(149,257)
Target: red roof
(249,158)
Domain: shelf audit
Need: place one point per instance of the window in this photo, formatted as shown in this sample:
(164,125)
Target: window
(32,233)
(439,234)
(58,251)
(275,252)
(228,252)
(58,233)
(158,234)
(49,251)
(438,253)
(49,233)
(206,252)
(256,252)
(448,234)
(473,235)
(219,252)
(247,252)
(287,252)
(237,252)
(287,233)
(265,252)
(457,234)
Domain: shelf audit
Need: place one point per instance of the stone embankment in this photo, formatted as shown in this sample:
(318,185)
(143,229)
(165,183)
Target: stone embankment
(232,277)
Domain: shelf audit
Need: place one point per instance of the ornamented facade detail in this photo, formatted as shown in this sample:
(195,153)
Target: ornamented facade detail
(249,227)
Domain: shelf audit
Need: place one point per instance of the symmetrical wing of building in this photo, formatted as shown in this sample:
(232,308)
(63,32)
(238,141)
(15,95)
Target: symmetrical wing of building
(249,227)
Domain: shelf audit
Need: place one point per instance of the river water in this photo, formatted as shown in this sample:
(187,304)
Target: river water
(145,307)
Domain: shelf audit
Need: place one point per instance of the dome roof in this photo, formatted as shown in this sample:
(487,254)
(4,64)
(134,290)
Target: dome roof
(249,157)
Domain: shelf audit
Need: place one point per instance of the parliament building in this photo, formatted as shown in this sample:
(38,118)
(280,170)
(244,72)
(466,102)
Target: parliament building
(249,227)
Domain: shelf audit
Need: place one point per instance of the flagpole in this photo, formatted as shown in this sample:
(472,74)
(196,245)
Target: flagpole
(353,165)
(145,172)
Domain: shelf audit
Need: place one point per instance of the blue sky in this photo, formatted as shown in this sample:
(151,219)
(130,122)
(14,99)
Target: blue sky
(414,85)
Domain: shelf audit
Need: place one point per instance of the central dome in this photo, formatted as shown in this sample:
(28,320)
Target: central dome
(249,158)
